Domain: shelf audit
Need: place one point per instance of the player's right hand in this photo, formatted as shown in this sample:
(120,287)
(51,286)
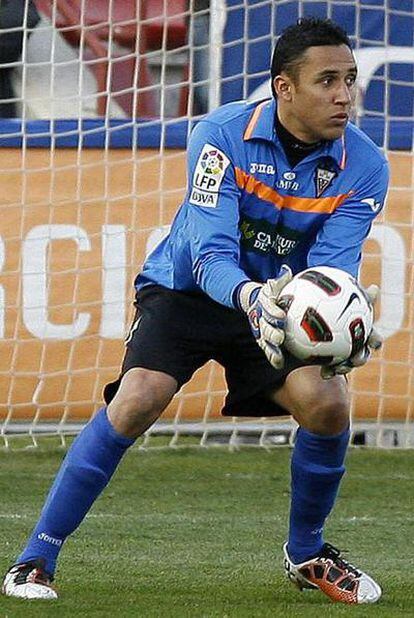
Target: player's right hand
(374,342)
(266,319)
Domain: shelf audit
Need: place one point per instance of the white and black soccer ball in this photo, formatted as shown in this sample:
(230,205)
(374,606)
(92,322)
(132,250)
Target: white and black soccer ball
(328,316)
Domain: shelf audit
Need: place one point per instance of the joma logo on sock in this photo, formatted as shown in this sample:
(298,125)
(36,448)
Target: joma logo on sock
(317,531)
(49,539)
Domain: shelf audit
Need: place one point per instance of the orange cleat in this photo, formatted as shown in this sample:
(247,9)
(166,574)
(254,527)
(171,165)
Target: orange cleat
(334,576)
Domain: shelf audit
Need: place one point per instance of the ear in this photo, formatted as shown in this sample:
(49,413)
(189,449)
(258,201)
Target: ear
(283,86)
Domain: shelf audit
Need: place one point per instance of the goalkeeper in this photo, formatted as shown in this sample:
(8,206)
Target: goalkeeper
(273,188)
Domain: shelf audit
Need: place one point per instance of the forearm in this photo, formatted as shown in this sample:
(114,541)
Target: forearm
(219,277)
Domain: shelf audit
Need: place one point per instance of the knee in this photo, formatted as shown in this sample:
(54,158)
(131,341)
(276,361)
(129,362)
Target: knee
(135,395)
(141,398)
(327,411)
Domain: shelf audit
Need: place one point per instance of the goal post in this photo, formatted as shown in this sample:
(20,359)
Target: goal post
(85,196)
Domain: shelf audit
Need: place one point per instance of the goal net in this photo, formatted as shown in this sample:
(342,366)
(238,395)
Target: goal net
(97,99)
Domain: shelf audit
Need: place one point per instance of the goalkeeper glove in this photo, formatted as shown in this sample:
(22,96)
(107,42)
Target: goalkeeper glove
(374,342)
(266,319)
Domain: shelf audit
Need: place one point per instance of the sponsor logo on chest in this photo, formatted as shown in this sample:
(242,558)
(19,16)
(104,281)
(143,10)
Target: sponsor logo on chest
(288,182)
(262,168)
(262,237)
(265,242)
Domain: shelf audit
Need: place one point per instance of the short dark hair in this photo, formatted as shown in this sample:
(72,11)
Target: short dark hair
(296,39)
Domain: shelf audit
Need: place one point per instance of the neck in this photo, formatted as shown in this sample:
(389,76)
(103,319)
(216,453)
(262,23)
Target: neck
(295,148)
(291,126)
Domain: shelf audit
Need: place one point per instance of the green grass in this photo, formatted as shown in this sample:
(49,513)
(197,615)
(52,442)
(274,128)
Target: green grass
(198,533)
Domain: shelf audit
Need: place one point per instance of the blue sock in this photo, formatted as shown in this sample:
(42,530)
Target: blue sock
(85,472)
(317,468)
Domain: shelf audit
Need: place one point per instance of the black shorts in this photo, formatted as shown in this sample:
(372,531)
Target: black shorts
(178,332)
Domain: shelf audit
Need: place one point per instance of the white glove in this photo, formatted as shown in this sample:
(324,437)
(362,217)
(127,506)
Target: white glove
(266,319)
(374,342)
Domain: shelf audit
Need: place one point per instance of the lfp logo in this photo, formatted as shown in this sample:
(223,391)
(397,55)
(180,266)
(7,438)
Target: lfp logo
(212,162)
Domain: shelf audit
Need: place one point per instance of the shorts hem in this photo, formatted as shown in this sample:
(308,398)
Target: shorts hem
(255,406)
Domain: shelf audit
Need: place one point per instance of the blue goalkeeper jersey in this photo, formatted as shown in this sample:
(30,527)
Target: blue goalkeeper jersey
(247,211)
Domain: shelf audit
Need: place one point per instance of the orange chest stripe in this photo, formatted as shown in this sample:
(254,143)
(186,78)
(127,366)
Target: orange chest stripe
(324,205)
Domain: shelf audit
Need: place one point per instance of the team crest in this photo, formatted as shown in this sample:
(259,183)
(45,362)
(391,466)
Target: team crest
(323,178)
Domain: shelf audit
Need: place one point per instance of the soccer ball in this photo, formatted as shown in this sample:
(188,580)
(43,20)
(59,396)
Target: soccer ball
(328,316)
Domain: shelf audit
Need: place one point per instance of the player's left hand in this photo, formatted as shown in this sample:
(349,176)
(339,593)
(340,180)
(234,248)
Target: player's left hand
(374,342)
(266,319)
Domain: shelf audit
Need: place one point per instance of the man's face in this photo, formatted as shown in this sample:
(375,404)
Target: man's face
(320,97)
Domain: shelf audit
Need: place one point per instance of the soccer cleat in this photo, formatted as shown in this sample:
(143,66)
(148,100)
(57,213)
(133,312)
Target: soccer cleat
(334,576)
(29,581)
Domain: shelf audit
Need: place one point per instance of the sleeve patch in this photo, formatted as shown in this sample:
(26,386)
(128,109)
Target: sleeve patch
(203,198)
(208,176)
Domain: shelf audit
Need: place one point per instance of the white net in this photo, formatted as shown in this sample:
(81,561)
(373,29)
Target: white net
(93,170)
